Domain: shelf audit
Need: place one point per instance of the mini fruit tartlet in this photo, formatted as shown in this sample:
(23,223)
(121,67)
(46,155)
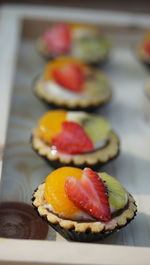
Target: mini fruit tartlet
(83,205)
(84,42)
(74,138)
(143,50)
(68,82)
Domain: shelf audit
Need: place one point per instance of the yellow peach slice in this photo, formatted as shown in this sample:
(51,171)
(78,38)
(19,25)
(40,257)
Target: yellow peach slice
(55,194)
(51,124)
(60,62)
(81,26)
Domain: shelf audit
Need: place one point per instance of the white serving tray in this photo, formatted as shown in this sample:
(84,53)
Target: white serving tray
(128,112)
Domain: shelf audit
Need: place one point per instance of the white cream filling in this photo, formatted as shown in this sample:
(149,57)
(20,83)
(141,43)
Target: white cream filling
(52,88)
(101,143)
(55,90)
(79,215)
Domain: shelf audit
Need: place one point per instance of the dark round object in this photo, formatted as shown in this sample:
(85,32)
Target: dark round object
(19,220)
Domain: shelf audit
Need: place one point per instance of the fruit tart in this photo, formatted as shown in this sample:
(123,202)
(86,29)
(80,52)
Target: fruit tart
(83,205)
(75,138)
(81,41)
(143,50)
(68,82)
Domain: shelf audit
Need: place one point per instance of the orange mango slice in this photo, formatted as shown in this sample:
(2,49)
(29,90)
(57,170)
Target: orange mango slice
(55,194)
(51,124)
(60,62)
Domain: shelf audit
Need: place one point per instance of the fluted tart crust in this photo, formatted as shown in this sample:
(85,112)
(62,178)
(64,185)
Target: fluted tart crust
(92,159)
(81,102)
(114,224)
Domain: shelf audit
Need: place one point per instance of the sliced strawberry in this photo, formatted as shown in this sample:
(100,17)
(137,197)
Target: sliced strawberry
(147,47)
(72,139)
(89,194)
(58,38)
(70,76)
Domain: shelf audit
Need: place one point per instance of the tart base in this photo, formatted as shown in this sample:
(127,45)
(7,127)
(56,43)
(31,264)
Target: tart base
(54,106)
(95,159)
(72,235)
(80,104)
(80,231)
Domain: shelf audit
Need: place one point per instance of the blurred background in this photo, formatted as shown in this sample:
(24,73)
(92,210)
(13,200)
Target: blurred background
(136,6)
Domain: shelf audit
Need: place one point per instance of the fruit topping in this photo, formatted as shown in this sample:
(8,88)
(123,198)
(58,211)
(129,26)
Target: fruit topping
(58,38)
(70,76)
(51,124)
(55,194)
(89,194)
(72,139)
(118,197)
(71,191)
(96,127)
(60,63)
(91,48)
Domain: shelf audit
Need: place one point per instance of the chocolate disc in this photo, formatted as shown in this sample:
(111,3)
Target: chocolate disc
(20,220)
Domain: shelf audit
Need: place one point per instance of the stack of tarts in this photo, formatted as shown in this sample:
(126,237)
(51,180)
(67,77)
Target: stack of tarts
(83,205)
(75,138)
(79,203)
(84,42)
(69,83)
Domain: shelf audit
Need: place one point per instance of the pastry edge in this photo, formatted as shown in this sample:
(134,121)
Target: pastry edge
(42,94)
(95,227)
(101,156)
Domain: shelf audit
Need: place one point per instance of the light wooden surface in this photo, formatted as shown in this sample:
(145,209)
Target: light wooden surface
(128,112)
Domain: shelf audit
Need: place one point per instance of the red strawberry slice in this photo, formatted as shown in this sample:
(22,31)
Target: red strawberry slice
(72,139)
(58,38)
(70,76)
(89,194)
(147,47)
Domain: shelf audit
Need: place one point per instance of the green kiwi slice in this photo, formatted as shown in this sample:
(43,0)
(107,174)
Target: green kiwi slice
(118,196)
(97,128)
(92,48)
